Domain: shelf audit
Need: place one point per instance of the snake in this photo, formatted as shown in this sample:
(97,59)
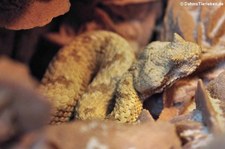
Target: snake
(97,76)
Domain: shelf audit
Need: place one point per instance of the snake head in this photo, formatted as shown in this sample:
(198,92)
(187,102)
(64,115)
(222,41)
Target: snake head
(161,63)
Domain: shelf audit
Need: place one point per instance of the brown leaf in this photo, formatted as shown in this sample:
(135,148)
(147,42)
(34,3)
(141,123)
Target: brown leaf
(22,109)
(217,142)
(216,87)
(135,21)
(211,74)
(145,116)
(191,132)
(180,94)
(96,134)
(212,114)
(202,24)
(26,14)
(193,135)
(168,114)
(15,73)
(63,37)
(211,58)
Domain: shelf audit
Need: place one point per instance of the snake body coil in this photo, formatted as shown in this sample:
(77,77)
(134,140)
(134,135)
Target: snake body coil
(94,69)
(101,55)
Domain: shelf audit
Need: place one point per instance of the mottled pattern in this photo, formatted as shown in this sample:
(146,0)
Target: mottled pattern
(106,57)
(70,72)
(114,58)
(128,105)
(162,63)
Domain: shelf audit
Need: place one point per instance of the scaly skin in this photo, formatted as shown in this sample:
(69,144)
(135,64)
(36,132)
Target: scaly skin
(115,58)
(128,105)
(109,57)
(70,72)
(159,66)
(162,63)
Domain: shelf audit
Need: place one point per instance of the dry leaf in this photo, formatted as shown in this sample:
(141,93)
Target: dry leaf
(95,134)
(26,14)
(134,21)
(168,114)
(180,95)
(202,24)
(212,114)
(216,87)
(145,116)
(22,109)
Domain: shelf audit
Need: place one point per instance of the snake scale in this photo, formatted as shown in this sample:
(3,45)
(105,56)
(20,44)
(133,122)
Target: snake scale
(97,76)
